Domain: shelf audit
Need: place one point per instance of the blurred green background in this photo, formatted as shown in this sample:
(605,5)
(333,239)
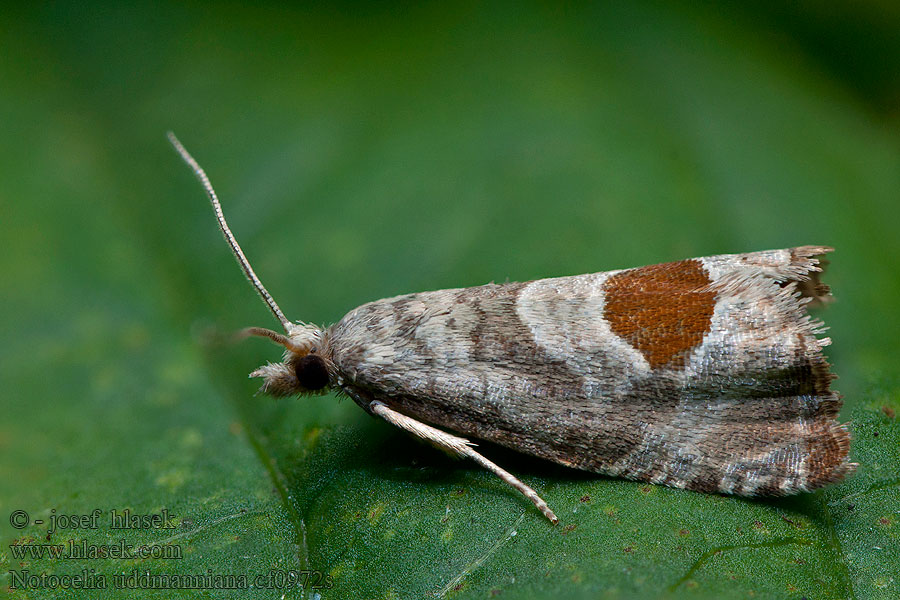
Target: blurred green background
(363,151)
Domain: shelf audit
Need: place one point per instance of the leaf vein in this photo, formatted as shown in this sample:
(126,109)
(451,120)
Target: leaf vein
(472,566)
(706,556)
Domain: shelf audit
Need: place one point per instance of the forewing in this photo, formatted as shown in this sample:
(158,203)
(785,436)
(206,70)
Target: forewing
(704,373)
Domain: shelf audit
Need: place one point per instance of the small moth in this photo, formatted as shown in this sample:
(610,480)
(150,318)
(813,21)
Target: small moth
(705,374)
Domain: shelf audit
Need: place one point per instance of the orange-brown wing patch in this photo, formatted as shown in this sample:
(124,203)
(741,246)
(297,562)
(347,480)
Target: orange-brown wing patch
(661,310)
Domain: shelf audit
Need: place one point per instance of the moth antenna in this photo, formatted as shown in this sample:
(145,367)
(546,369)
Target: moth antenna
(226,231)
(274,336)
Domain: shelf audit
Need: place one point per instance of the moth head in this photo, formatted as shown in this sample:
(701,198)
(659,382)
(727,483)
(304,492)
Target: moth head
(305,369)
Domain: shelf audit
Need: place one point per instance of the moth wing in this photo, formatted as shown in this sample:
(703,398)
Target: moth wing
(704,374)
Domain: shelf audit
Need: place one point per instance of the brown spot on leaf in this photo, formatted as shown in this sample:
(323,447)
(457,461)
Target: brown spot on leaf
(585,498)
(661,310)
(889,412)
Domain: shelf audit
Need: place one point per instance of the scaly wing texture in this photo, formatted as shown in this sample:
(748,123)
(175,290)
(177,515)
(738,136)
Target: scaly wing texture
(704,374)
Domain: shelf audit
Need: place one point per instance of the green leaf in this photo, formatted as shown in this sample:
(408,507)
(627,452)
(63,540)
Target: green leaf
(367,152)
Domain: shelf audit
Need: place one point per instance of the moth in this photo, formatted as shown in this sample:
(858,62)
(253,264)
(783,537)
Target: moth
(705,374)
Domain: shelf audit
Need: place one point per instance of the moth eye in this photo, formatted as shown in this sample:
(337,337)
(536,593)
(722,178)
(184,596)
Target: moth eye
(311,372)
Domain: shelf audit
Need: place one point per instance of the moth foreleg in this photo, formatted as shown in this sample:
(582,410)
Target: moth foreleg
(460,447)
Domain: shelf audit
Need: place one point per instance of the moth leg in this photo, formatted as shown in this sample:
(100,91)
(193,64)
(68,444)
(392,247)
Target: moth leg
(459,447)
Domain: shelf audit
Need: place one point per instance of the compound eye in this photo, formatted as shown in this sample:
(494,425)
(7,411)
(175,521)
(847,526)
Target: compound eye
(311,372)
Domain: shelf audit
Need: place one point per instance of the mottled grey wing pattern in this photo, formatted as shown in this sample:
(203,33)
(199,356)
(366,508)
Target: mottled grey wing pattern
(704,374)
